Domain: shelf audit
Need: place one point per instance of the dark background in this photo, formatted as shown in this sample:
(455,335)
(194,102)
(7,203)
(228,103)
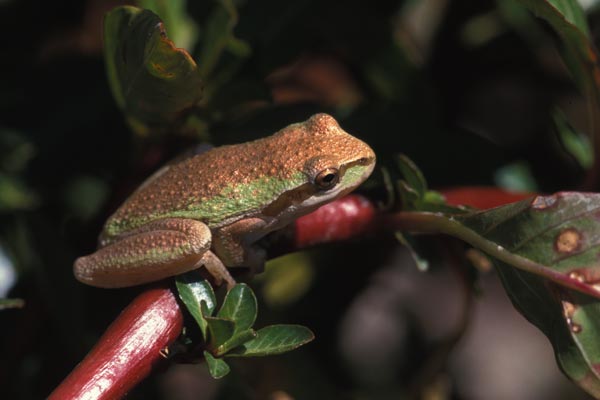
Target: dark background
(452,84)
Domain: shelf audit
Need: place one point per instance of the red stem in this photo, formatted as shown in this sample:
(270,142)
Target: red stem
(128,350)
(131,345)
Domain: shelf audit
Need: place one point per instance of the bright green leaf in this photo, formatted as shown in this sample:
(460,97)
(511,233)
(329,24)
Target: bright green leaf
(217,367)
(155,83)
(239,306)
(196,293)
(219,331)
(237,340)
(274,339)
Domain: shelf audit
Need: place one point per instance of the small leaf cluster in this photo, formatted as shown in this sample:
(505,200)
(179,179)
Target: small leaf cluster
(229,331)
(413,192)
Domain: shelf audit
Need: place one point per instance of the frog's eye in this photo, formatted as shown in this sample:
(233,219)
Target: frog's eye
(327,178)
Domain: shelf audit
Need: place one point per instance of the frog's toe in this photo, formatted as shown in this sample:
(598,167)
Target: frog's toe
(217,269)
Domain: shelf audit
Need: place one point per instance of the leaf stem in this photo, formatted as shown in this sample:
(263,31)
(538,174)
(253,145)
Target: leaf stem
(427,222)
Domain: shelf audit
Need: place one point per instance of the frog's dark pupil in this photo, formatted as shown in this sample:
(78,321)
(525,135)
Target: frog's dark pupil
(328,178)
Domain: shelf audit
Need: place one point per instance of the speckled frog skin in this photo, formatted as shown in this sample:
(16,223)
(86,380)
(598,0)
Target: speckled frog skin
(210,209)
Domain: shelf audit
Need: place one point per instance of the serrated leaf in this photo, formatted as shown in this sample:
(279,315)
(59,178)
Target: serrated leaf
(552,237)
(155,83)
(217,367)
(196,293)
(219,331)
(239,306)
(274,339)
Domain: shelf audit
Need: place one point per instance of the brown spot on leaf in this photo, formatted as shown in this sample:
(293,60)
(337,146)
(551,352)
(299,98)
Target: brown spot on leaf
(569,310)
(577,276)
(540,203)
(568,241)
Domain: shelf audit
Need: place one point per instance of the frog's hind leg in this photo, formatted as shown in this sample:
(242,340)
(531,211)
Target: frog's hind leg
(152,252)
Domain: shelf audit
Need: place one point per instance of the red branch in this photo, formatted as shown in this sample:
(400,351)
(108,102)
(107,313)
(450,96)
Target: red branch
(128,350)
(131,345)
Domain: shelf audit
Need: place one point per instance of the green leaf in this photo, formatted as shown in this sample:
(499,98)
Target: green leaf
(239,306)
(237,340)
(217,367)
(156,84)
(182,29)
(196,293)
(274,339)
(546,251)
(568,20)
(554,237)
(219,37)
(574,142)
(11,303)
(412,190)
(412,175)
(219,331)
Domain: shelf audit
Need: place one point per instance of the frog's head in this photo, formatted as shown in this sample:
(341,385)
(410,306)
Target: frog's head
(327,163)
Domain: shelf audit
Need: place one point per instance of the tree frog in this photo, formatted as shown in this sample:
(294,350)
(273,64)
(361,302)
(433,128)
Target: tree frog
(210,209)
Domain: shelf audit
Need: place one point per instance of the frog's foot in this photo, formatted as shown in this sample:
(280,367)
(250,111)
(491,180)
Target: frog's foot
(234,245)
(217,269)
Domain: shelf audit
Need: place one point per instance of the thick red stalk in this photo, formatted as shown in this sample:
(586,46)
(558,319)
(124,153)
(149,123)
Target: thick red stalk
(131,346)
(128,350)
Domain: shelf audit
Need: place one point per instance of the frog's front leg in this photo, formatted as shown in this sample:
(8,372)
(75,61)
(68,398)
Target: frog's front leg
(233,244)
(152,252)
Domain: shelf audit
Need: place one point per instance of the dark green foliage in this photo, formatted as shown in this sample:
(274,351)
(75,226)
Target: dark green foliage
(230,333)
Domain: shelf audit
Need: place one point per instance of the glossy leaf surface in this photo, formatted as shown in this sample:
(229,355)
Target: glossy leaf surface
(562,233)
(217,367)
(239,306)
(193,291)
(274,339)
